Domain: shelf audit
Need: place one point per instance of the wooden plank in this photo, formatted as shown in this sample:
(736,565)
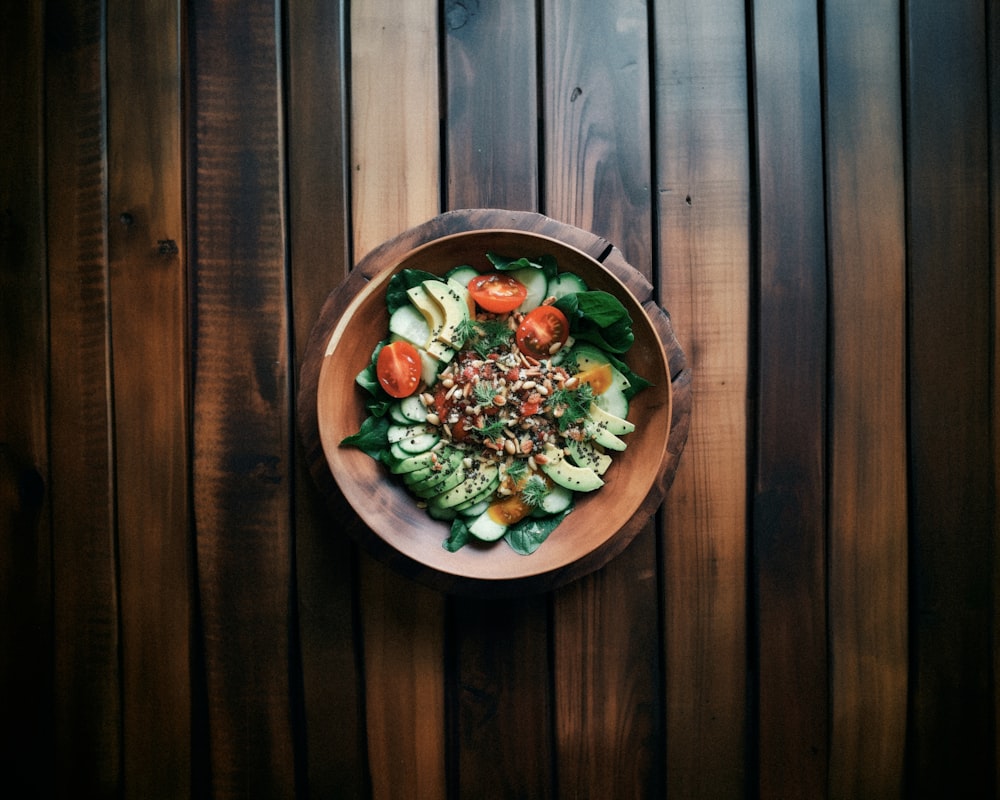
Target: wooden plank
(598,169)
(148,331)
(500,720)
(395,149)
(703,184)
(790,355)
(394,180)
(492,105)
(87,692)
(596,128)
(25,546)
(867,496)
(951,744)
(993,31)
(242,466)
(319,236)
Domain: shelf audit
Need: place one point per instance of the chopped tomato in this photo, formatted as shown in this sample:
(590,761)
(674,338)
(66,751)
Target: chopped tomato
(598,377)
(541,329)
(398,368)
(497,292)
(509,510)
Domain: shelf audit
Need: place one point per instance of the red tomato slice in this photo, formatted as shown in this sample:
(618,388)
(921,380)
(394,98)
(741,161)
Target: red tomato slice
(540,330)
(398,368)
(497,292)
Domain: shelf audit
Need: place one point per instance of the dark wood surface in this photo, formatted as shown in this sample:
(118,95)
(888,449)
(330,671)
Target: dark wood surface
(809,189)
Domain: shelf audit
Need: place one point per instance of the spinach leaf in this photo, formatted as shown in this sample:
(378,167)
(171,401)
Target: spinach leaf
(546,263)
(367,379)
(636,382)
(395,292)
(598,317)
(458,538)
(527,535)
(373,437)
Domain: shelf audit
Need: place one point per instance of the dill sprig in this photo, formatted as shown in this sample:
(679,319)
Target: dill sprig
(486,336)
(534,490)
(575,404)
(483,393)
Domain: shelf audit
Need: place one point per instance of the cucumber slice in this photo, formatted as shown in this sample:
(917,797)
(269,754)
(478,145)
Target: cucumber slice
(462,274)
(408,323)
(613,401)
(413,438)
(566,283)
(537,285)
(438,512)
(473,510)
(557,500)
(397,416)
(397,433)
(487,529)
(412,409)
(420,443)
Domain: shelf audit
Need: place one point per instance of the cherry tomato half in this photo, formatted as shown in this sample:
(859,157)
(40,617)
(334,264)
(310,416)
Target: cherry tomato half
(540,330)
(497,292)
(398,368)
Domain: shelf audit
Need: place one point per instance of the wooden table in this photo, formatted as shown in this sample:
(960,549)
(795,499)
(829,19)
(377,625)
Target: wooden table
(809,189)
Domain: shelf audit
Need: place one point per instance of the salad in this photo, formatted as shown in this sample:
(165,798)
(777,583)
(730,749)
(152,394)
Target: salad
(498,396)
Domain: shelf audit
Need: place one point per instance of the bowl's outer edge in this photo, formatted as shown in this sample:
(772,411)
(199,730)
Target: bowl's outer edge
(395,249)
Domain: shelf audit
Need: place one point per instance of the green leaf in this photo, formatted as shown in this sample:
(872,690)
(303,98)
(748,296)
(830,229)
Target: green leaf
(373,437)
(458,538)
(528,535)
(598,317)
(395,292)
(546,263)
(636,382)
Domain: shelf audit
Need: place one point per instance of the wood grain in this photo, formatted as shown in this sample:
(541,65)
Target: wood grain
(492,100)
(788,461)
(395,147)
(148,331)
(25,546)
(596,122)
(242,470)
(993,52)
(867,424)
(395,174)
(87,690)
(951,743)
(319,245)
(500,716)
(703,184)
(598,172)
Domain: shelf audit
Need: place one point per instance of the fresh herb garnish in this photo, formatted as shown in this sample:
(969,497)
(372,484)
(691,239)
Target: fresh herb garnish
(534,490)
(516,470)
(492,429)
(486,335)
(575,404)
(483,393)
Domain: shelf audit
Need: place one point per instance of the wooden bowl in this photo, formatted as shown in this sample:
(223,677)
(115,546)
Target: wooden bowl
(394,528)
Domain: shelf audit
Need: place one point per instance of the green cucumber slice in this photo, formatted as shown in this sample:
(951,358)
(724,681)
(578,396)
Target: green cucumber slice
(566,283)
(557,500)
(412,409)
(462,274)
(536,283)
(421,442)
(408,323)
